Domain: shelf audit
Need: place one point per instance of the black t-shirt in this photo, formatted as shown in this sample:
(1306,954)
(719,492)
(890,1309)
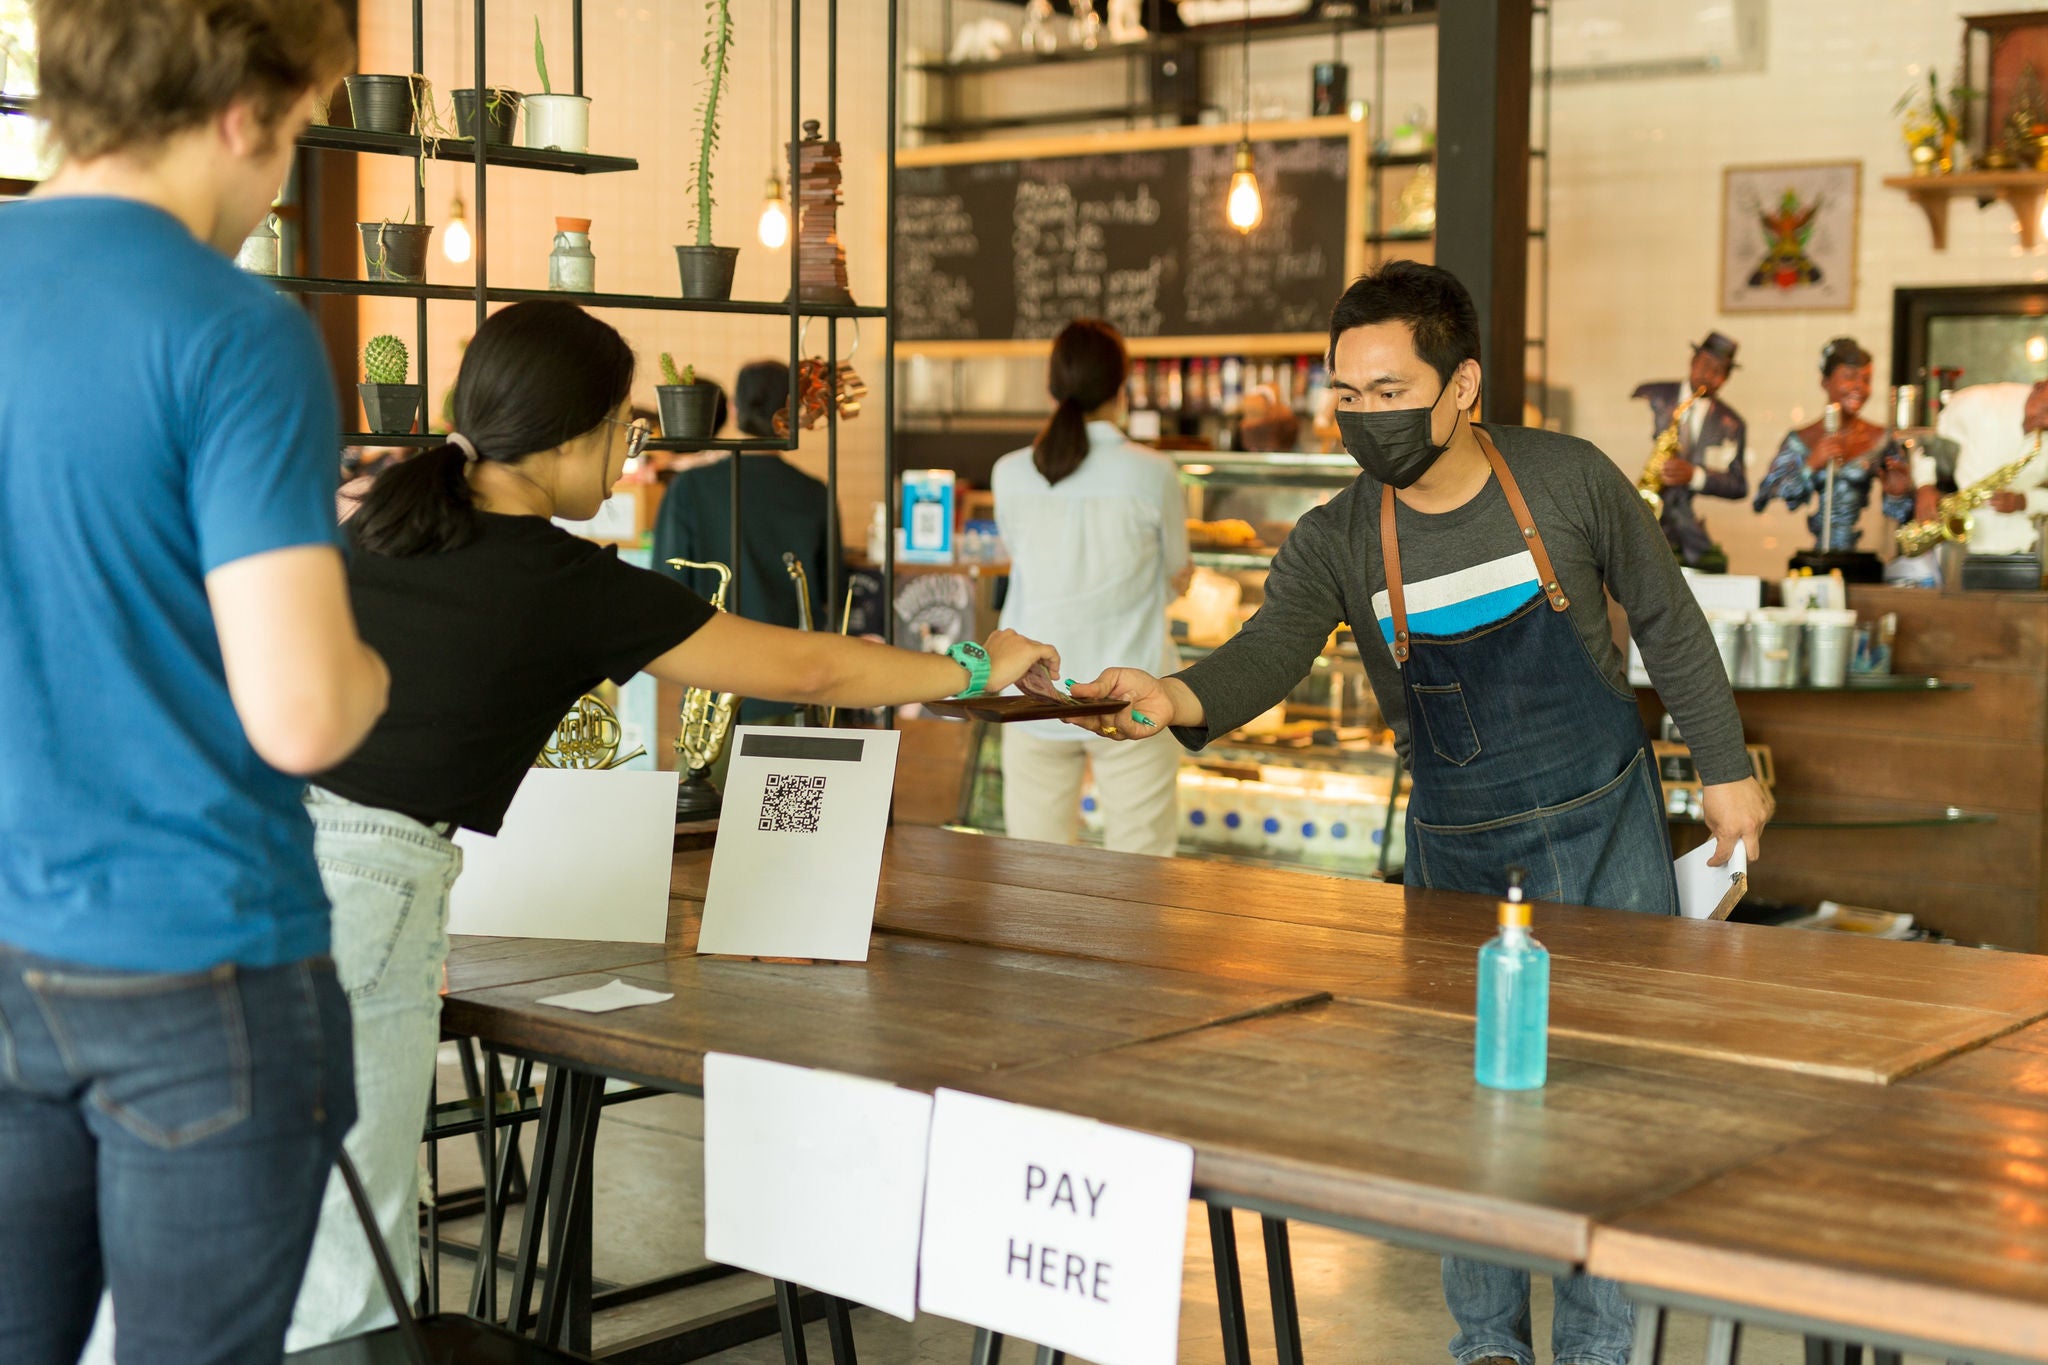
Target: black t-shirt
(489,646)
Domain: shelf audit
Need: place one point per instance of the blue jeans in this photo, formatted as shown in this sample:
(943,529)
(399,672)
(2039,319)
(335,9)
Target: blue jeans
(1591,1322)
(168,1137)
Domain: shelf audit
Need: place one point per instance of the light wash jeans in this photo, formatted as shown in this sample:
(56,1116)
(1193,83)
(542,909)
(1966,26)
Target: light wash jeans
(1591,1322)
(388,877)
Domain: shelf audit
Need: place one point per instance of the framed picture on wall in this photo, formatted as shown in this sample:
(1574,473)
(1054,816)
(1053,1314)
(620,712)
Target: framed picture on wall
(2005,60)
(1788,237)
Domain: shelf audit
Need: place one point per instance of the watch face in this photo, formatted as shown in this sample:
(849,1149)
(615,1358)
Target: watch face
(971,648)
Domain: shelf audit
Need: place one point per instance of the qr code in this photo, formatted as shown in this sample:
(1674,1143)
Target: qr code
(793,805)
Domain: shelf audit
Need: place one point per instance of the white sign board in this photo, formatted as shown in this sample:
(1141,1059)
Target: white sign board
(799,851)
(1055,1229)
(816,1178)
(582,854)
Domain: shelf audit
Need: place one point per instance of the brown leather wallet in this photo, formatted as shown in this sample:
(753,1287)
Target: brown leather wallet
(1003,710)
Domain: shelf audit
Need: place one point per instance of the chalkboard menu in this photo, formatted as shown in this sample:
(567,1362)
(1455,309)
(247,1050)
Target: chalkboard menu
(991,250)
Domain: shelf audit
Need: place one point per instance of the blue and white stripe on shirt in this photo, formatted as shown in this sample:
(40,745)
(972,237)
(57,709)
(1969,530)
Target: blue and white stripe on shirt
(1467,600)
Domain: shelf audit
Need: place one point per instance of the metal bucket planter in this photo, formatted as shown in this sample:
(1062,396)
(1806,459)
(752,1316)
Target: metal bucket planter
(396,253)
(559,123)
(380,104)
(707,270)
(391,408)
(687,410)
(501,109)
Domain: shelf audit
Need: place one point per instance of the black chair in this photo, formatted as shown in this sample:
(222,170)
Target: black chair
(436,1339)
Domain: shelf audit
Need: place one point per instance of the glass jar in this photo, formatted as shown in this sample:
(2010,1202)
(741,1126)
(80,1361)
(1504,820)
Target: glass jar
(572,267)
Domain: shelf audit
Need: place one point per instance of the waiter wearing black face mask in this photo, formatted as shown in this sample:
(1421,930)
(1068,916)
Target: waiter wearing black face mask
(1484,557)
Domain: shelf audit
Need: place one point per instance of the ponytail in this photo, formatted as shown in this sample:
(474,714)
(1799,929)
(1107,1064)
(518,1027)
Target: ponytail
(1088,369)
(1063,442)
(419,506)
(536,374)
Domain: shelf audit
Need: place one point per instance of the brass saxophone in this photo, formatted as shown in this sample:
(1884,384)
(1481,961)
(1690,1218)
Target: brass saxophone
(706,720)
(1952,514)
(1650,483)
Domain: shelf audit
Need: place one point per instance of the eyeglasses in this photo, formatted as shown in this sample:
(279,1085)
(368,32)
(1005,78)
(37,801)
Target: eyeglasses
(638,434)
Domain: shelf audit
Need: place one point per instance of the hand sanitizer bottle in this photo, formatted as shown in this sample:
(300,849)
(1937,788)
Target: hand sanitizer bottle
(1512,1043)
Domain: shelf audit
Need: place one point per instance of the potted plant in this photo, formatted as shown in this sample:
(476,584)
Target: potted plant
(389,402)
(396,253)
(707,269)
(381,104)
(554,122)
(501,109)
(687,406)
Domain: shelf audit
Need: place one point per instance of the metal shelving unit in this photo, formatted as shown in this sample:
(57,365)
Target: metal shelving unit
(483,156)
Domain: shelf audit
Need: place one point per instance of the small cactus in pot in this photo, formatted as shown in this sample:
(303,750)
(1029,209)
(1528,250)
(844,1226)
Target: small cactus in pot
(391,404)
(689,407)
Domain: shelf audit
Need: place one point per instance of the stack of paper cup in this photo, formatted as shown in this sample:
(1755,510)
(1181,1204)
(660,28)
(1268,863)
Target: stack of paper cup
(1831,636)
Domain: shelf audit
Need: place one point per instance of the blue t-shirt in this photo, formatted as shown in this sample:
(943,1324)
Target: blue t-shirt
(161,414)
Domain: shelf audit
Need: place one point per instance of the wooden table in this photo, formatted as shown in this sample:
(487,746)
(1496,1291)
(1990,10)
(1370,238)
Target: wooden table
(1923,1230)
(1310,1038)
(1823,1004)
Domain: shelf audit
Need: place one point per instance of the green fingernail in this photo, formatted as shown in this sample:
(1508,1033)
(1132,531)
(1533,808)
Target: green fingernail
(1139,717)
(1069,682)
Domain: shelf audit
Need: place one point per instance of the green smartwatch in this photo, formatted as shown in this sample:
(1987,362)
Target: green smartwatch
(974,659)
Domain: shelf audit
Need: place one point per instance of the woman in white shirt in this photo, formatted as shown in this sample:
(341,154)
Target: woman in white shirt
(1097,532)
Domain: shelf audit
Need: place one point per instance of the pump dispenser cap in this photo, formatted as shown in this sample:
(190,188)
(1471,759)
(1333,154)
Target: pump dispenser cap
(1514,911)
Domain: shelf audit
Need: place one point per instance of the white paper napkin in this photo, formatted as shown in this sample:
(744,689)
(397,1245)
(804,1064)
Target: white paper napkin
(613,995)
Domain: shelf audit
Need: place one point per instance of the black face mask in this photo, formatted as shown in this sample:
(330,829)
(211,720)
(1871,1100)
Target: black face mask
(1394,447)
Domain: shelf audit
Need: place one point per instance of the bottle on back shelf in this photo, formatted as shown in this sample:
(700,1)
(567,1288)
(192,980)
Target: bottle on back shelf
(1196,398)
(1299,400)
(1231,387)
(1139,389)
(1172,396)
(1512,1040)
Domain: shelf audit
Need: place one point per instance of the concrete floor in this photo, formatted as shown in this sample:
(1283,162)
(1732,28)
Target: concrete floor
(1362,1302)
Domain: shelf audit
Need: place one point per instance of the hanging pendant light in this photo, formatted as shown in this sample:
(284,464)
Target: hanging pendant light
(774,228)
(1244,206)
(455,241)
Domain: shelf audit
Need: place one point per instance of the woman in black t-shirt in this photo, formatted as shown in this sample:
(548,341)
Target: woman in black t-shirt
(494,621)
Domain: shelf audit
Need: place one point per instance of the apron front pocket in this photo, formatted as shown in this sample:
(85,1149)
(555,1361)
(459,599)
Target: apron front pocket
(1608,848)
(1448,721)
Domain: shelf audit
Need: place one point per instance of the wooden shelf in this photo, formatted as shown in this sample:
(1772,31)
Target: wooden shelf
(463,293)
(2022,190)
(1202,35)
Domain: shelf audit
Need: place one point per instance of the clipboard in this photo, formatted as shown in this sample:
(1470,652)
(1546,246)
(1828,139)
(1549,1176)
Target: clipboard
(1710,893)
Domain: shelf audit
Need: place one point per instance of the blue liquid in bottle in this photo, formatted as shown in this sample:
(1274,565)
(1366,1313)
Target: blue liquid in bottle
(1512,1044)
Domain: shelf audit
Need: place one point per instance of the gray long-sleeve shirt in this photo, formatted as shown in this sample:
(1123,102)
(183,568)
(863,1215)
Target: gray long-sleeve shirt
(1466,563)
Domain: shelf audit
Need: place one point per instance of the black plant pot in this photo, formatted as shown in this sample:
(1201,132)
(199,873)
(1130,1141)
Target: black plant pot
(707,270)
(687,410)
(396,252)
(501,109)
(380,104)
(391,408)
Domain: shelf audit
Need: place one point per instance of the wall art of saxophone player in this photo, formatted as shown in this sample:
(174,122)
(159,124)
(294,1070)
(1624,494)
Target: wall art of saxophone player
(1993,426)
(1838,470)
(1711,441)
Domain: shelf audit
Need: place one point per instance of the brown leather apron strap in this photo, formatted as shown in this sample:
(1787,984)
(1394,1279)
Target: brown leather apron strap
(1551,588)
(1390,546)
(1390,558)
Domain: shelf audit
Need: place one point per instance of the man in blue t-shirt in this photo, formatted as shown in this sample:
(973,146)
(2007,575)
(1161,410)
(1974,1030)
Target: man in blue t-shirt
(175,643)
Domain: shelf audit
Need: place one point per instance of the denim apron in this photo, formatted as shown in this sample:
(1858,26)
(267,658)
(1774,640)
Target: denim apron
(1523,753)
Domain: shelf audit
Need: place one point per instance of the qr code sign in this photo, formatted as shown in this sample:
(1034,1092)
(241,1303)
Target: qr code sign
(793,805)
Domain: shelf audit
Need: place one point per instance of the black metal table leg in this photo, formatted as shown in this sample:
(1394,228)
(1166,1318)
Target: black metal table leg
(1724,1341)
(546,1142)
(1237,1349)
(988,1347)
(789,1311)
(565,1291)
(487,1241)
(839,1327)
(1280,1281)
(1649,1347)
